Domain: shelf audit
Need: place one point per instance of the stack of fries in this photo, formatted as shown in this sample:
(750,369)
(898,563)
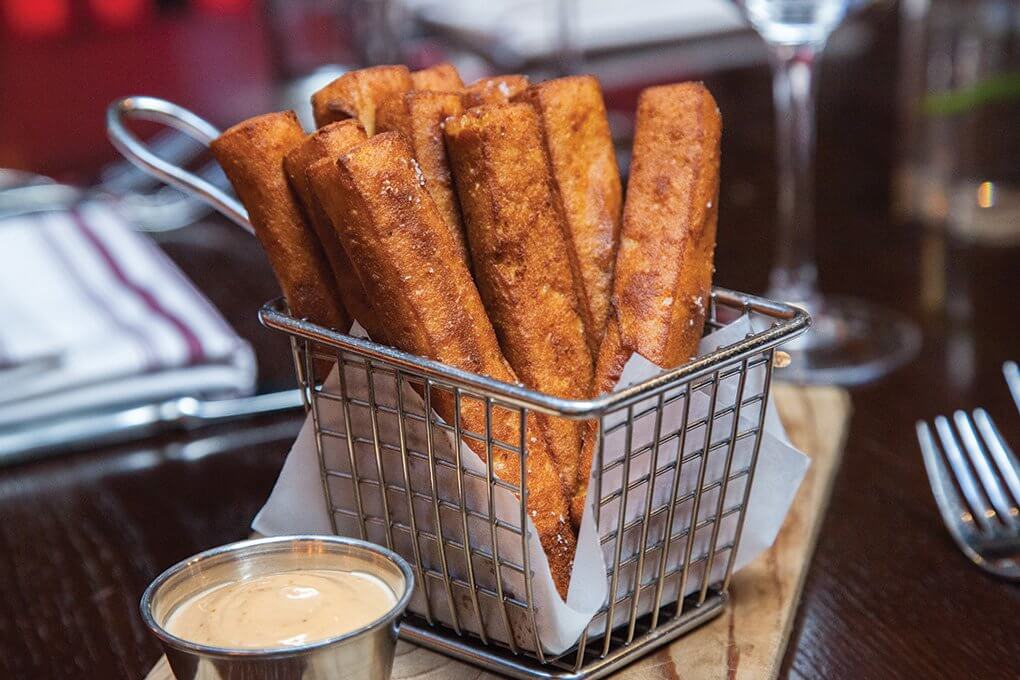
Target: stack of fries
(484,226)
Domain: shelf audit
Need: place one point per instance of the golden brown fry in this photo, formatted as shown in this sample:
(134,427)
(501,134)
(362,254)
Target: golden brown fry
(494,90)
(587,178)
(323,178)
(356,94)
(674,182)
(419,117)
(664,267)
(329,143)
(251,154)
(519,252)
(406,256)
(441,78)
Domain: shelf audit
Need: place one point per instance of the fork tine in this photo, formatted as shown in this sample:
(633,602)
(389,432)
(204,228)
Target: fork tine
(1012,373)
(986,475)
(1003,455)
(961,471)
(954,512)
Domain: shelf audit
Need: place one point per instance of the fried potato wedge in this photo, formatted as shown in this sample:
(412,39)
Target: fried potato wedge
(251,154)
(664,266)
(587,178)
(329,143)
(419,117)
(357,94)
(440,78)
(519,252)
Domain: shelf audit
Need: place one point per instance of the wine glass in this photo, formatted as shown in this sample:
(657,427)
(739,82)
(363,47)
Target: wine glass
(851,341)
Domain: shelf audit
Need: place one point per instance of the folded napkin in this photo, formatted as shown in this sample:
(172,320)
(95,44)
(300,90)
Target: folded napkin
(93,315)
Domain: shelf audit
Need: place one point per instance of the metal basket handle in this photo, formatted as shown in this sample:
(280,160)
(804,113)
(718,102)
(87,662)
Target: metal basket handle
(202,131)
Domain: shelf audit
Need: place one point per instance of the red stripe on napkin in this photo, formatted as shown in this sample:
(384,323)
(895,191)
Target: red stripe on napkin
(85,285)
(195,352)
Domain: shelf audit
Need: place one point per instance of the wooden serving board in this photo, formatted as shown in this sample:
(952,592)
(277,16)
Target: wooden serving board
(749,639)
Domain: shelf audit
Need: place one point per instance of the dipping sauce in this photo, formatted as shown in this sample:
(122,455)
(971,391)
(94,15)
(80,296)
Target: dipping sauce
(282,610)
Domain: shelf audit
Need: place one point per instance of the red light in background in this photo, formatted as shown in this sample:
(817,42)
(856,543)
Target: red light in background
(119,13)
(223,6)
(37,18)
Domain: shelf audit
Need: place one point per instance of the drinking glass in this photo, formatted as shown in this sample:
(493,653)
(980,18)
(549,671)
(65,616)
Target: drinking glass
(959,95)
(851,341)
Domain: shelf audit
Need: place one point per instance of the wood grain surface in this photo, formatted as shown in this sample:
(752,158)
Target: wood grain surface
(748,640)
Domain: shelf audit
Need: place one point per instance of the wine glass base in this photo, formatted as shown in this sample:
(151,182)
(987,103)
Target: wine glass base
(850,342)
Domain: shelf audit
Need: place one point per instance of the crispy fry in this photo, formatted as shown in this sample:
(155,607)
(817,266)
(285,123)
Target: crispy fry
(440,78)
(356,94)
(328,143)
(406,256)
(494,90)
(674,182)
(519,251)
(664,267)
(419,117)
(586,175)
(251,154)
(323,178)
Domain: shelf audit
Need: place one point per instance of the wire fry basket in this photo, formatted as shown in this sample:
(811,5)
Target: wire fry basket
(409,491)
(671,486)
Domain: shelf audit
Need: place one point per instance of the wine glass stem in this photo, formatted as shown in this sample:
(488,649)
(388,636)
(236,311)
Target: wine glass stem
(794,273)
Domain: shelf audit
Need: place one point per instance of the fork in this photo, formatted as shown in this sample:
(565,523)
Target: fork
(985,521)
(1012,373)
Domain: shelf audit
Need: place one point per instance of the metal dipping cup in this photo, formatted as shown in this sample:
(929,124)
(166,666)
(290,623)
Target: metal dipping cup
(366,653)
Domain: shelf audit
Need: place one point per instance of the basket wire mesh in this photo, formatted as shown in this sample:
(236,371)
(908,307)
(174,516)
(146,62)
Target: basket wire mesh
(669,545)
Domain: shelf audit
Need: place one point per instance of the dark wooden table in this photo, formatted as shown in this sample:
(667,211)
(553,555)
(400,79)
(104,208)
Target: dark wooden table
(888,595)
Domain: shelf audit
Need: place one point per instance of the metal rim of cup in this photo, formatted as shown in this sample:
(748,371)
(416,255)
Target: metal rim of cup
(275,652)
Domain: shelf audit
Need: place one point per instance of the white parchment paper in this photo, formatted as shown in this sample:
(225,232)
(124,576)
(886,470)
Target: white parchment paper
(297,503)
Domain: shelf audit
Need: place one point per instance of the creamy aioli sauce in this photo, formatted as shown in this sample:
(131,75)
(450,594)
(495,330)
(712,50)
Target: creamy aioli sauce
(282,610)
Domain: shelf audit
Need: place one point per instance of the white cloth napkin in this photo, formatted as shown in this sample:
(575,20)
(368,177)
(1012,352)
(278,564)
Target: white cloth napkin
(94,315)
